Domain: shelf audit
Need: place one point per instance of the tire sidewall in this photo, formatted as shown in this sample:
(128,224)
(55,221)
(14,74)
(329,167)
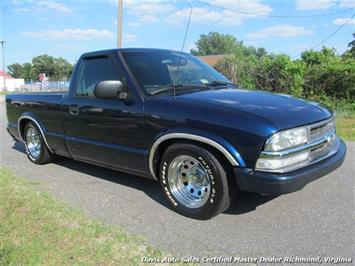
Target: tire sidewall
(215,175)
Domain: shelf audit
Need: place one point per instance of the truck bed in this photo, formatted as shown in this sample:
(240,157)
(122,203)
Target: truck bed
(45,105)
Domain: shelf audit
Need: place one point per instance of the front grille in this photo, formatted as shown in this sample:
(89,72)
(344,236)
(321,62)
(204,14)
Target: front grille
(321,129)
(327,148)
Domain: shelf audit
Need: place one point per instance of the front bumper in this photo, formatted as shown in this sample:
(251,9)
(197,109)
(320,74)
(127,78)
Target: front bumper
(275,184)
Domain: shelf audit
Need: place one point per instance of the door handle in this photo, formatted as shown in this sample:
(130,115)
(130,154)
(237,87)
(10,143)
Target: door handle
(73,110)
(95,110)
(91,109)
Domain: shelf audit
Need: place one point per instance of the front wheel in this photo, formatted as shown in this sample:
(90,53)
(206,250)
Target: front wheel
(194,181)
(36,149)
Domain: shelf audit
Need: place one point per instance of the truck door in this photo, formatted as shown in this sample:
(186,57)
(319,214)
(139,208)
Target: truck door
(104,131)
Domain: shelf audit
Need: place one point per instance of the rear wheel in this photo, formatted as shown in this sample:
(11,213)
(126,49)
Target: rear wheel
(36,149)
(194,181)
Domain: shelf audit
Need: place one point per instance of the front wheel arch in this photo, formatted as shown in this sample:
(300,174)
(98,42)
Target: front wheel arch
(218,147)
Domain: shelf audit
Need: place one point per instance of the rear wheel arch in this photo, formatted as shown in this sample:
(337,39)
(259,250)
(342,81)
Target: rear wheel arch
(21,126)
(23,121)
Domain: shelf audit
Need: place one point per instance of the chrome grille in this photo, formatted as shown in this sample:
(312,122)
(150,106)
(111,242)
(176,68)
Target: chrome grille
(321,129)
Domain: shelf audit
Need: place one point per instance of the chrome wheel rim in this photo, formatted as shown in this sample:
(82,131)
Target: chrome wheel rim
(188,181)
(33,142)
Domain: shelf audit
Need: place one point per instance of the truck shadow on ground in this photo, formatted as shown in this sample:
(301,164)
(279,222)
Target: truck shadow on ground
(244,203)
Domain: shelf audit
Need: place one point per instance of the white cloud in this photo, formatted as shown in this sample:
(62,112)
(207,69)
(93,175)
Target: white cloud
(148,7)
(70,34)
(129,37)
(314,4)
(151,11)
(204,15)
(146,11)
(41,7)
(281,31)
(16,2)
(133,24)
(347,4)
(254,7)
(55,6)
(22,10)
(213,14)
(148,19)
(342,21)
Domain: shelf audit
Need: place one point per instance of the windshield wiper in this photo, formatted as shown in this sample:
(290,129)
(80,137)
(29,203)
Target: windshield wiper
(171,87)
(216,83)
(168,88)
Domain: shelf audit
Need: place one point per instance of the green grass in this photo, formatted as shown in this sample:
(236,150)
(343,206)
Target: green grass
(345,115)
(3,92)
(346,126)
(36,229)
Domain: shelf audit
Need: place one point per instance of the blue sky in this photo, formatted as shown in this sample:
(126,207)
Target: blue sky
(68,28)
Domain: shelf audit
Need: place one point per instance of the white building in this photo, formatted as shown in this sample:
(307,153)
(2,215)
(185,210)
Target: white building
(11,83)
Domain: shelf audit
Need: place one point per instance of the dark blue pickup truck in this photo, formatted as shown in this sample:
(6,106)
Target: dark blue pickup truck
(167,116)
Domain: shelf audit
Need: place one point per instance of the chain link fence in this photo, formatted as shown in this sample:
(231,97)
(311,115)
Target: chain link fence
(47,86)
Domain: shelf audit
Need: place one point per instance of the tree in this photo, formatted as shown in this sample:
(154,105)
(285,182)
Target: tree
(15,70)
(279,73)
(332,78)
(261,52)
(62,70)
(54,68)
(27,72)
(239,69)
(43,64)
(311,57)
(215,43)
(321,75)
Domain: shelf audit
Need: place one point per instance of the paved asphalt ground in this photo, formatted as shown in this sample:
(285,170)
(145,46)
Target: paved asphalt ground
(316,221)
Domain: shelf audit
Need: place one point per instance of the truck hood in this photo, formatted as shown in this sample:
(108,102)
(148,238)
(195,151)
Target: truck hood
(283,111)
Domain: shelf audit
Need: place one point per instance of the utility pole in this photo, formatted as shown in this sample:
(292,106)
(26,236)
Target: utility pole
(3,62)
(119,23)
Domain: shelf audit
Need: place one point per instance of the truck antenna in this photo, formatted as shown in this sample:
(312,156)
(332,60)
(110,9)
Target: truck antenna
(183,43)
(187,26)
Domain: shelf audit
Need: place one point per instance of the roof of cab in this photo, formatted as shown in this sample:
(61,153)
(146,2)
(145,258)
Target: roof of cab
(110,51)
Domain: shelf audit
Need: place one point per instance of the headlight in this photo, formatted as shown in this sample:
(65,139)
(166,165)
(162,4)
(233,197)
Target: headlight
(287,139)
(279,143)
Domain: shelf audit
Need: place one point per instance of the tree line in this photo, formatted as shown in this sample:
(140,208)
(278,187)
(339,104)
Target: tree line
(56,69)
(322,75)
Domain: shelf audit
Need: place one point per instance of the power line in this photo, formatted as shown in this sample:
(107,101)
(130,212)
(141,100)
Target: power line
(274,16)
(337,30)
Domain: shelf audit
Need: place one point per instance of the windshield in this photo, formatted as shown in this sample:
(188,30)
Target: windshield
(157,71)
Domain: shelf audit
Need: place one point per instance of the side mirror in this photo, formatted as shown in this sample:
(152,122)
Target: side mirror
(110,89)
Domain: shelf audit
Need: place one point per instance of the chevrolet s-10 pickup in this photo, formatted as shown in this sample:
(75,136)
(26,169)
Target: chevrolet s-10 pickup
(168,116)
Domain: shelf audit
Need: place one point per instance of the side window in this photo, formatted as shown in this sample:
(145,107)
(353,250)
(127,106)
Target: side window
(92,71)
